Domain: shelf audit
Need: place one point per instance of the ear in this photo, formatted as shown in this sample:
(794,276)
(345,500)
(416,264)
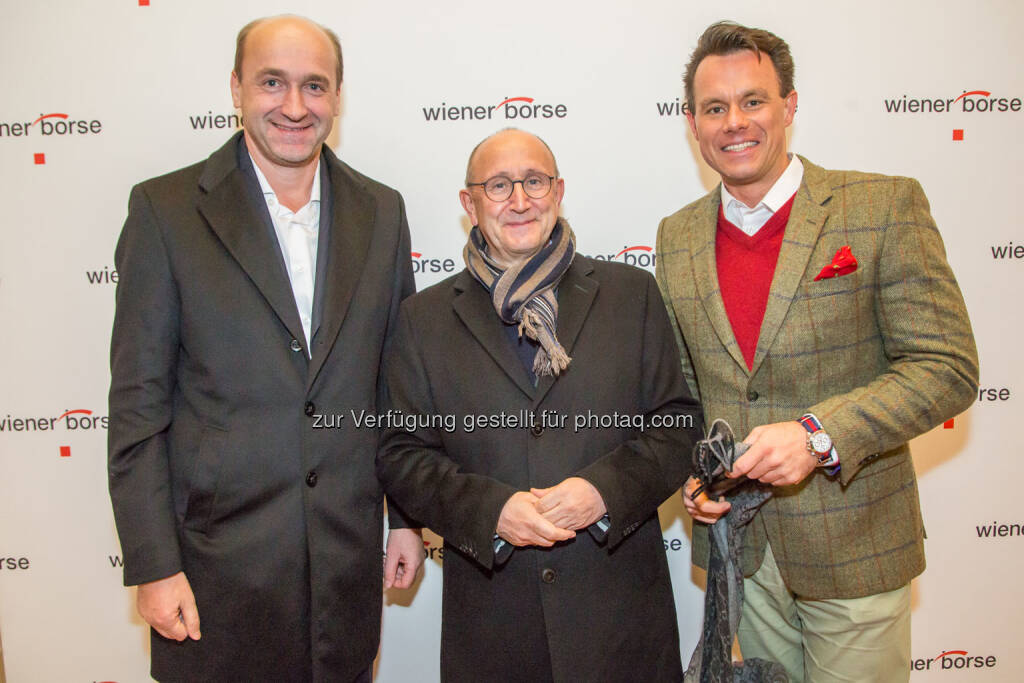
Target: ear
(236,91)
(693,125)
(559,190)
(467,203)
(790,107)
(336,103)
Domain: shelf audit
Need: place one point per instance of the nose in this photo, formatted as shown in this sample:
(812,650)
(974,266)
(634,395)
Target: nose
(294,106)
(736,118)
(519,201)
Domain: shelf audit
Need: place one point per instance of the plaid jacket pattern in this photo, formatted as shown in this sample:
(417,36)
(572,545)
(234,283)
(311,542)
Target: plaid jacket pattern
(880,355)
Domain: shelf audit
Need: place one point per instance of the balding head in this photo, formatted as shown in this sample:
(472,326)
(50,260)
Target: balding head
(287,21)
(515,134)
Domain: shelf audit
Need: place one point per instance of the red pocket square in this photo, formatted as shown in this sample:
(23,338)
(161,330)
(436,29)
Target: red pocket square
(843,263)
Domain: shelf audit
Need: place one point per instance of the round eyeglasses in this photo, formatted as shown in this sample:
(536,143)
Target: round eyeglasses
(499,188)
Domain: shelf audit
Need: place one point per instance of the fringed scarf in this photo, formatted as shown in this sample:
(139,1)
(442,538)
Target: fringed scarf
(525,293)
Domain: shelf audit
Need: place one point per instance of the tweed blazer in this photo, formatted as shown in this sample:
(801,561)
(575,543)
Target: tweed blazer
(880,355)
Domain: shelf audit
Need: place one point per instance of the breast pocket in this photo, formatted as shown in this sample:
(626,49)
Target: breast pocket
(833,317)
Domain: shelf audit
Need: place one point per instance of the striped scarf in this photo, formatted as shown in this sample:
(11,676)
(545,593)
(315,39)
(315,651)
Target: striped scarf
(525,293)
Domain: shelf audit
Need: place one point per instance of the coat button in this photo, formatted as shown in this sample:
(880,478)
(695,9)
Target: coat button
(311,479)
(548,575)
(295,345)
(536,430)
(309,408)
(752,395)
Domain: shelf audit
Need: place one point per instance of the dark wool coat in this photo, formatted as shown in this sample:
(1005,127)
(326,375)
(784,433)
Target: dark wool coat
(216,465)
(602,612)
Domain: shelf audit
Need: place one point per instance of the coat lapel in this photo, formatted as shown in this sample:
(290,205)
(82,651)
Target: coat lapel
(705,274)
(473,306)
(576,294)
(353,212)
(231,207)
(806,221)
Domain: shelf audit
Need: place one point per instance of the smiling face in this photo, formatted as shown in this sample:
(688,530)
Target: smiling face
(740,121)
(518,227)
(286,92)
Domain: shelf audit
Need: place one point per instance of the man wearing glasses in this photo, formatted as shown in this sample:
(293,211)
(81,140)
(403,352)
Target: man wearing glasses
(571,425)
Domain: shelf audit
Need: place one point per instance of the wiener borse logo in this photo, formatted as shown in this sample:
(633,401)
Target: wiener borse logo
(967,102)
(509,109)
(639,255)
(56,124)
(78,419)
(425,264)
(954,660)
(211,121)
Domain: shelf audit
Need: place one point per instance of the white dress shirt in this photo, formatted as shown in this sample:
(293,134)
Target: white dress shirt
(298,233)
(750,220)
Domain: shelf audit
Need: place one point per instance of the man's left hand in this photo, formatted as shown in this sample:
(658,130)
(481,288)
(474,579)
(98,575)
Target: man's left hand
(403,557)
(778,455)
(573,504)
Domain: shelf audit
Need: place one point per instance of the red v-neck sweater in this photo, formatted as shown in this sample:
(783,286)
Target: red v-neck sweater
(746,265)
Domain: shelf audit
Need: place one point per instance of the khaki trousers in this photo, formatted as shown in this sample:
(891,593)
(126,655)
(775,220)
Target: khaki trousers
(824,641)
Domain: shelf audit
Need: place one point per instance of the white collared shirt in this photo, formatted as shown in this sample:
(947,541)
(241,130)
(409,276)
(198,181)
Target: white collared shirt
(298,233)
(750,220)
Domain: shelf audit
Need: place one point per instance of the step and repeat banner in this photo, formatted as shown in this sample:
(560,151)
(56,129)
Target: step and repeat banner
(101,95)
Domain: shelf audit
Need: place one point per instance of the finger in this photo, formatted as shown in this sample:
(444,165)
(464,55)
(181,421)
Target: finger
(713,508)
(552,515)
(765,470)
(746,462)
(172,628)
(550,532)
(562,519)
(391,562)
(701,515)
(190,617)
(548,503)
(540,493)
(543,529)
(708,519)
(754,435)
(403,576)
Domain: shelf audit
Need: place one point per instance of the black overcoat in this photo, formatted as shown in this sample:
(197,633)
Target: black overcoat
(217,466)
(605,612)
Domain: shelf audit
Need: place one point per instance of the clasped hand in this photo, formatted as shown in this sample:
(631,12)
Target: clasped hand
(542,517)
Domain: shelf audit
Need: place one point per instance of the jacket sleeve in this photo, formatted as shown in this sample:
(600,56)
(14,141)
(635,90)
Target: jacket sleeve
(143,359)
(637,476)
(417,473)
(404,287)
(933,363)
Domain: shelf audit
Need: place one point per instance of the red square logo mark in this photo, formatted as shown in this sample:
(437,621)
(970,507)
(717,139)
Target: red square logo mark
(958,133)
(143,3)
(65,451)
(39,159)
(948,424)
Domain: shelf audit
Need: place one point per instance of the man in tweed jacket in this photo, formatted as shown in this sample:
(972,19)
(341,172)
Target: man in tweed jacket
(827,340)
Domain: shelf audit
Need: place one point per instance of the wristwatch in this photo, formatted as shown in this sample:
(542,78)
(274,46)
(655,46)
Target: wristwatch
(819,443)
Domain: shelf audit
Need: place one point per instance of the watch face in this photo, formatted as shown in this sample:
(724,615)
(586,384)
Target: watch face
(821,442)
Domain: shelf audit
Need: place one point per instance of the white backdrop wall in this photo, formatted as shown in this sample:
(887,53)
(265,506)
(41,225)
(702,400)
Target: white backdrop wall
(145,83)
